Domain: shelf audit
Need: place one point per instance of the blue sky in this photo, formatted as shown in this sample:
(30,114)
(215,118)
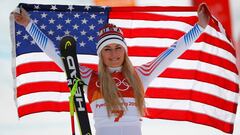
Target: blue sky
(58,123)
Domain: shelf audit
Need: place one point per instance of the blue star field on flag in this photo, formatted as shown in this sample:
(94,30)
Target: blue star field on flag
(81,22)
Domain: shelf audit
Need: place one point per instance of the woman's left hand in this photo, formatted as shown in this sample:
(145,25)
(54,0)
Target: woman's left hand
(203,15)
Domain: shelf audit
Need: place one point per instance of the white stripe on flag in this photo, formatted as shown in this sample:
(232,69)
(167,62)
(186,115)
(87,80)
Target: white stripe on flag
(41,97)
(175,14)
(191,105)
(205,67)
(40,76)
(189,84)
(175,25)
(32,57)
(44,97)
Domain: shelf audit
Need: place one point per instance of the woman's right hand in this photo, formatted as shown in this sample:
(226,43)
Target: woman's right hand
(21,18)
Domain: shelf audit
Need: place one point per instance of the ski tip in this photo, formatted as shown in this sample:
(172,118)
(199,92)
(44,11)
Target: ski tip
(66,42)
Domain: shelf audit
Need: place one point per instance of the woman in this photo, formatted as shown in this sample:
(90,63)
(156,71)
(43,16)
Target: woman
(116,91)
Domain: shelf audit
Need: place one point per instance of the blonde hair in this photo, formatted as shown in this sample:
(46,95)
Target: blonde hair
(110,93)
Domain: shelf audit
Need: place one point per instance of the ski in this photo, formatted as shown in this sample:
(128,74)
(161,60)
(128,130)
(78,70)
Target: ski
(69,58)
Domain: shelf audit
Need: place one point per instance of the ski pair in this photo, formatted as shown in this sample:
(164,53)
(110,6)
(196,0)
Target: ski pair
(76,99)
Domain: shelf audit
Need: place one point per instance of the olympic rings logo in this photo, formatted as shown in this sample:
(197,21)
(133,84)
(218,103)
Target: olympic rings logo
(122,85)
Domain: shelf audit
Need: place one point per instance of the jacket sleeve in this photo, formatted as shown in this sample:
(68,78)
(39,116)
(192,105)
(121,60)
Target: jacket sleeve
(151,70)
(51,50)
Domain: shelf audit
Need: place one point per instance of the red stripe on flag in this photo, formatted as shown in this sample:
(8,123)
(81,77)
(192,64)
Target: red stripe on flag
(152,17)
(34,87)
(153,8)
(152,33)
(214,41)
(182,115)
(201,76)
(186,94)
(43,107)
(36,67)
(48,106)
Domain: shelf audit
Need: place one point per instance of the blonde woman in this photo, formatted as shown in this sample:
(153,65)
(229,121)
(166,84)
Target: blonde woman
(116,91)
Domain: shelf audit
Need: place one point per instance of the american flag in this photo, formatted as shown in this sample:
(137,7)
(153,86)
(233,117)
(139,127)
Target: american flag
(201,86)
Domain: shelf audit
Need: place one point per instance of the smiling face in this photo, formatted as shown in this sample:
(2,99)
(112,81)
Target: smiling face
(113,55)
